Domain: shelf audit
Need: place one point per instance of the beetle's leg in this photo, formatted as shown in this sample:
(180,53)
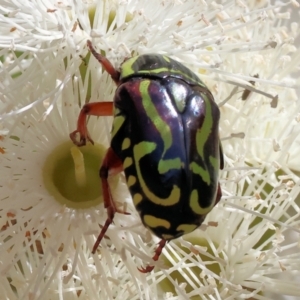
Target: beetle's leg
(158,251)
(111,165)
(89,109)
(109,68)
(219,194)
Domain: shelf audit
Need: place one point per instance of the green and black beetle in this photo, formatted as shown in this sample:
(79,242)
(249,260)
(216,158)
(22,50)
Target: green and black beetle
(165,138)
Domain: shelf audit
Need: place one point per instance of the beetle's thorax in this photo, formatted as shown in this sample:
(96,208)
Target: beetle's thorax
(157,66)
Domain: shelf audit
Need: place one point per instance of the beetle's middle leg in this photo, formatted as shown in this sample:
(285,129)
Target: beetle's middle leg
(90,109)
(111,165)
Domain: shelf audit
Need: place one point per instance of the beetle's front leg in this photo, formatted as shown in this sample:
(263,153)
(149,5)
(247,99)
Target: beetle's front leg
(156,256)
(111,165)
(115,75)
(89,109)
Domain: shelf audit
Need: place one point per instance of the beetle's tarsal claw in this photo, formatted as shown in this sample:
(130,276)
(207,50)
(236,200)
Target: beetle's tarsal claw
(73,137)
(148,269)
(158,251)
(82,140)
(89,140)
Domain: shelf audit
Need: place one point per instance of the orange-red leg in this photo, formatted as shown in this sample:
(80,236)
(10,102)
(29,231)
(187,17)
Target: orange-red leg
(109,68)
(111,165)
(156,256)
(91,109)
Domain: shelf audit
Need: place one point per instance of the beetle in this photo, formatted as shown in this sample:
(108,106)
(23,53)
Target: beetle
(165,138)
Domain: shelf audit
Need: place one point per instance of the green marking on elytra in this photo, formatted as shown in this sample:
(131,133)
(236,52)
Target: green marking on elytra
(131,180)
(137,198)
(167,237)
(139,151)
(204,132)
(117,123)
(116,111)
(127,162)
(214,162)
(200,171)
(186,228)
(196,207)
(151,111)
(162,127)
(154,222)
(126,144)
(168,164)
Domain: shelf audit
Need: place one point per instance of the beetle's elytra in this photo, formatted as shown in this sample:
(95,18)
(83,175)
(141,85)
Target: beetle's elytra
(165,139)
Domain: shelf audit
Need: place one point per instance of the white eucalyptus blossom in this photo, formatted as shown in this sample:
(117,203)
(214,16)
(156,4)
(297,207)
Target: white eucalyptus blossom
(248,246)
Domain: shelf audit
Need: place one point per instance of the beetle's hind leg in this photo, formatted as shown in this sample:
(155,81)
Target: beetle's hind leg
(156,256)
(111,165)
